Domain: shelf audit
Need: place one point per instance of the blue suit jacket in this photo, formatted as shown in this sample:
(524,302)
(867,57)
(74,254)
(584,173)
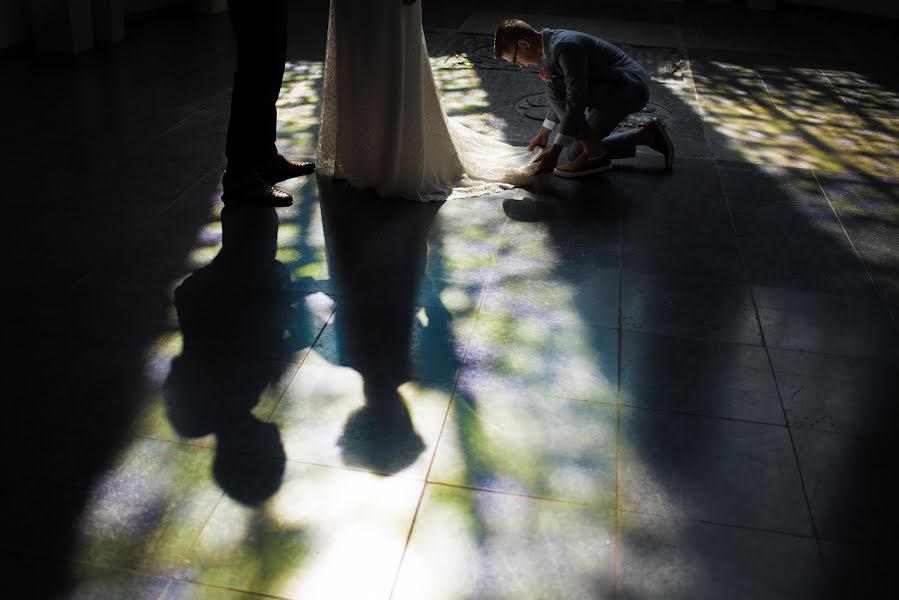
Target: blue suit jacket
(580,66)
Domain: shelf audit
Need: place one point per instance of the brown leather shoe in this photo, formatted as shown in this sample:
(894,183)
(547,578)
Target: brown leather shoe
(280,168)
(252,189)
(583,166)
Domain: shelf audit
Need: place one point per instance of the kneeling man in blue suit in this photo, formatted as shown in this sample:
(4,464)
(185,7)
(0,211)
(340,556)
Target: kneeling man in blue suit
(591,86)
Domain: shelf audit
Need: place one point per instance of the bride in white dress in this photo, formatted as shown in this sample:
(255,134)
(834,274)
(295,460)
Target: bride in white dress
(382,123)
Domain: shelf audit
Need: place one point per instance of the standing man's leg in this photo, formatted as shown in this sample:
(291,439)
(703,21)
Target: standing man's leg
(254,165)
(260,30)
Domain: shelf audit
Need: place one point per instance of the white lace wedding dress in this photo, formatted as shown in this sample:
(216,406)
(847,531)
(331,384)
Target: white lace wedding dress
(382,123)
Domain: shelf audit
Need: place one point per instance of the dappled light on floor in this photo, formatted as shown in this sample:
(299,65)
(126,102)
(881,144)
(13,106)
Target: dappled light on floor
(198,502)
(537,393)
(838,121)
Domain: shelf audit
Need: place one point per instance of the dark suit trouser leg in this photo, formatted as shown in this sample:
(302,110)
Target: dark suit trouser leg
(260,30)
(607,108)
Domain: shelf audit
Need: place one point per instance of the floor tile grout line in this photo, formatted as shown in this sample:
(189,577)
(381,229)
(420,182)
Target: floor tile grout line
(165,590)
(753,285)
(303,360)
(449,407)
(773,372)
(203,174)
(854,110)
(866,357)
(477,313)
(721,524)
(597,507)
(185,443)
(694,415)
(777,107)
(857,254)
(185,559)
(611,507)
(594,403)
(294,461)
(293,376)
(702,113)
(673,412)
(805,494)
(341,299)
(125,569)
(227,588)
(616,529)
(474,488)
(212,114)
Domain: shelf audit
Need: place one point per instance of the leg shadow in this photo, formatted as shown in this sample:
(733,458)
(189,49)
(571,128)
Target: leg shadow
(376,250)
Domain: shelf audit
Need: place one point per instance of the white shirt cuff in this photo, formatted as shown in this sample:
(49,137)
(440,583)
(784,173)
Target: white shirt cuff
(563,140)
(547,124)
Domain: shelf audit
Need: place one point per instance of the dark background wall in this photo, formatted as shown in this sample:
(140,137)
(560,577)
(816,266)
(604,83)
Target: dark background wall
(16,15)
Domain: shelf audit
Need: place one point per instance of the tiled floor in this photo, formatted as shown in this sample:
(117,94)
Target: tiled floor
(642,386)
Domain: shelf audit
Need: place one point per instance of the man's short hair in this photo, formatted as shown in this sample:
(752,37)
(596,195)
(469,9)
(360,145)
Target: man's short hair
(508,33)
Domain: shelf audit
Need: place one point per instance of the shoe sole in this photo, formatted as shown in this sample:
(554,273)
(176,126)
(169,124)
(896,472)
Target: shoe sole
(669,157)
(584,173)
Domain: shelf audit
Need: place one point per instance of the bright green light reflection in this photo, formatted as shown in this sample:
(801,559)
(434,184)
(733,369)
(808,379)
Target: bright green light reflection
(802,118)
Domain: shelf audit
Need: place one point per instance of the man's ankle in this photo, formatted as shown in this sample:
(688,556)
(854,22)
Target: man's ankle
(592,147)
(644,136)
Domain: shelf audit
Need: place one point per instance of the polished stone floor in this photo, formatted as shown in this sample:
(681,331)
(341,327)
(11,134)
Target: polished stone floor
(645,385)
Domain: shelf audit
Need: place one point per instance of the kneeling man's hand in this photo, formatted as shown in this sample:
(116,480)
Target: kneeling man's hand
(548,159)
(540,140)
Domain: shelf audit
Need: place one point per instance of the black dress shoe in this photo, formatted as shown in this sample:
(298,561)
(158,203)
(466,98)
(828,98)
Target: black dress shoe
(251,189)
(280,168)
